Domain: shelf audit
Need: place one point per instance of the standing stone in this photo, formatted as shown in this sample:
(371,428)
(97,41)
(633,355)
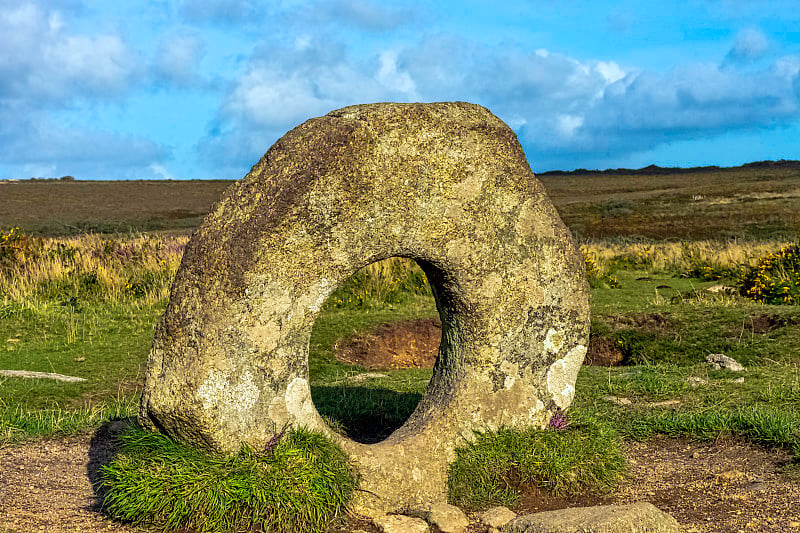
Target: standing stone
(445,184)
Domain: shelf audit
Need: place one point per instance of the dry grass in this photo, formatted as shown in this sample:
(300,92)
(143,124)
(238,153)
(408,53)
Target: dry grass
(48,207)
(680,256)
(140,265)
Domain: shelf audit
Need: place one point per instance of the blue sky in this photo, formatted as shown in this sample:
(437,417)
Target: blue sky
(202,88)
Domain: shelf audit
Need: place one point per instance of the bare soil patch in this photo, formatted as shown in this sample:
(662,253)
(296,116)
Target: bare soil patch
(402,344)
(604,351)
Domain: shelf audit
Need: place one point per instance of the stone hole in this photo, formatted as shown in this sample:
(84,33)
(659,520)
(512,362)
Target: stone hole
(444,184)
(403,333)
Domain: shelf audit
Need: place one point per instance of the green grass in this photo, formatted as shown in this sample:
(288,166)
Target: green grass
(298,485)
(499,465)
(18,423)
(758,424)
(370,410)
(105,343)
(335,323)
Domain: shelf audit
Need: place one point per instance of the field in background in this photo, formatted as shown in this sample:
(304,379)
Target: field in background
(56,207)
(757,201)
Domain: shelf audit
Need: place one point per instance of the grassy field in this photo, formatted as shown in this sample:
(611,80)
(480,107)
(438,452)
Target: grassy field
(758,201)
(681,265)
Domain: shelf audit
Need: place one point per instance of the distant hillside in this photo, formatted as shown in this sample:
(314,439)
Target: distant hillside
(655,170)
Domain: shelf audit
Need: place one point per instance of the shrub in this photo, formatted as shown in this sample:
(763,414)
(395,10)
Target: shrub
(87,268)
(16,247)
(775,279)
(298,484)
(596,276)
(711,272)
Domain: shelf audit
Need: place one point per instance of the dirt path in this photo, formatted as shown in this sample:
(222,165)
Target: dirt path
(727,486)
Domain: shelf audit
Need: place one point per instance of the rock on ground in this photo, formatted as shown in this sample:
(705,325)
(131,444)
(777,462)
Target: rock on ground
(634,518)
(397,523)
(721,361)
(448,518)
(497,517)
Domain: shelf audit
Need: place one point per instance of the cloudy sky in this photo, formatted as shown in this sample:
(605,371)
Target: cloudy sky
(182,89)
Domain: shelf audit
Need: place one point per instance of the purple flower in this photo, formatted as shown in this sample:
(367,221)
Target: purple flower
(559,420)
(271,443)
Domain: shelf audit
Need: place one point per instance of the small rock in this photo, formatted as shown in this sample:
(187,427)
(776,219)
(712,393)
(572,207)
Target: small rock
(358,378)
(730,475)
(739,380)
(756,486)
(665,403)
(721,361)
(617,400)
(695,381)
(497,517)
(448,518)
(397,523)
(794,524)
(721,289)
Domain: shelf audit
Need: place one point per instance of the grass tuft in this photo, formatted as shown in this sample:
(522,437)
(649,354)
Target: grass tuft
(498,466)
(298,485)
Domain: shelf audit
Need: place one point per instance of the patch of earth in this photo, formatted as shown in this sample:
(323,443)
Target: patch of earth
(648,322)
(726,486)
(603,351)
(393,345)
(766,322)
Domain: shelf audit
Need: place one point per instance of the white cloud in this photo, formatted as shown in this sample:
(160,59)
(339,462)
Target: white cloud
(267,98)
(47,149)
(750,44)
(178,59)
(42,59)
(360,14)
(47,67)
(390,77)
(568,124)
(610,71)
(161,171)
(285,85)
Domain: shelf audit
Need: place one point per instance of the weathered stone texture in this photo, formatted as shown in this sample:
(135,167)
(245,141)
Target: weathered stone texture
(497,517)
(445,184)
(638,517)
